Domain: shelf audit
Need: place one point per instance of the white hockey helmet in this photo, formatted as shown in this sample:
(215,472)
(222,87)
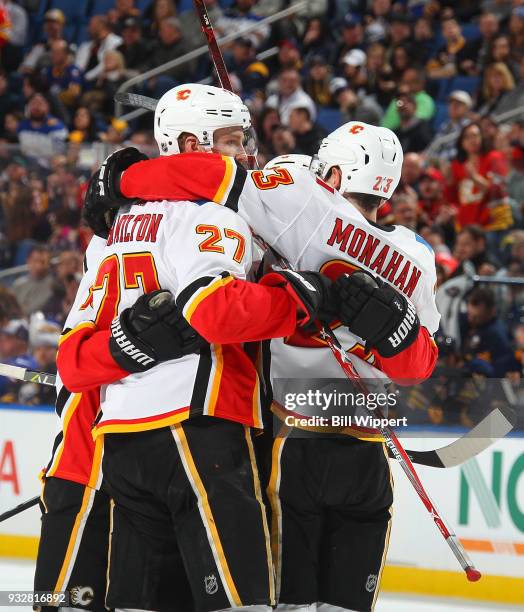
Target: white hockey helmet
(293,159)
(369,157)
(199,110)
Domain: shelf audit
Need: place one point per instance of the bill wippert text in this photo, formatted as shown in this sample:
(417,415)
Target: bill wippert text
(368,421)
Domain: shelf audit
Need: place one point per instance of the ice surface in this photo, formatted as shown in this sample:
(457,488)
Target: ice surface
(18,575)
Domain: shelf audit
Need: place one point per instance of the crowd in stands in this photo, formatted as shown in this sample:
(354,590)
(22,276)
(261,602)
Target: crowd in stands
(446,75)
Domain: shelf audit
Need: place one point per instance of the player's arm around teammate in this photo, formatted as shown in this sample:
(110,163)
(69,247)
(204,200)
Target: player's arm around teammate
(253,195)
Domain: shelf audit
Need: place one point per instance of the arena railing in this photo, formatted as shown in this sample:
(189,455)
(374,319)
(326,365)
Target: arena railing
(138,112)
(203,50)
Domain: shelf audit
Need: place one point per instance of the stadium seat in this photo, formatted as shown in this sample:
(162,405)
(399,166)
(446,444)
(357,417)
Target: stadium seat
(446,86)
(82,34)
(329,118)
(470,31)
(101,7)
(72,9)
(142,5)
(70,31)
(23,248)
(466,83)
(441,115)
(41,11)
(184,5)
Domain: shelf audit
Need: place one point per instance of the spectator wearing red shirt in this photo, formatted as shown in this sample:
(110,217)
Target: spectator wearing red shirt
(477,183)
(433,194)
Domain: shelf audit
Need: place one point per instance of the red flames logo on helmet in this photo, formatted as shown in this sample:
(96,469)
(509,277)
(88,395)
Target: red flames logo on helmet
(183,94)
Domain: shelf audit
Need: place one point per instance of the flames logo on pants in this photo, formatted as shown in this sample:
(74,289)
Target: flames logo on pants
(82,596)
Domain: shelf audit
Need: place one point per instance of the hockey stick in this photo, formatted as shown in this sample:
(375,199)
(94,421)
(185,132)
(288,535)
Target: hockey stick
(341,356)
(492,428)
(41,378)
(20,508)
(396,448)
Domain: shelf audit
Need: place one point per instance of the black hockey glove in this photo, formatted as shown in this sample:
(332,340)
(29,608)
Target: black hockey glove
(377,313)
(103,195)
(111,172)
(311,291)
(151,331)
(97,209)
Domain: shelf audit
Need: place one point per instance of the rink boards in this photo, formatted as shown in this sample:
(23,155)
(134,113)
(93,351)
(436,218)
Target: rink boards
(482,500)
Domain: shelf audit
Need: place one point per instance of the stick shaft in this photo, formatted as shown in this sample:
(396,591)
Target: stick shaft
(41,378)
(214,49)
(20,508)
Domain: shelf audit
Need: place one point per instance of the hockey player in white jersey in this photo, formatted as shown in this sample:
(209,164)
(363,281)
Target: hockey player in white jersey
(75,525)
(328,224)
(202,254)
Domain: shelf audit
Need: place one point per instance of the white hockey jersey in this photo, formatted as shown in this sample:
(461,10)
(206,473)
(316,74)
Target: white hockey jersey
(162,245)
(315,228)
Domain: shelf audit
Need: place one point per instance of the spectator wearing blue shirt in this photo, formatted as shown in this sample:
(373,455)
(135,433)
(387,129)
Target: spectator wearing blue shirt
(40,131)
(64,79)
(351,37)
(240,16)
(484,336)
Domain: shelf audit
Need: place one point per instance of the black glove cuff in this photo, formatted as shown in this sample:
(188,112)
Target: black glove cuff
(402,335)
(128,351)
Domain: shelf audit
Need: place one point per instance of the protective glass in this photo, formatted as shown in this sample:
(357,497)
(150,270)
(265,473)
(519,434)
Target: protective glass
(317,166)
(250,147)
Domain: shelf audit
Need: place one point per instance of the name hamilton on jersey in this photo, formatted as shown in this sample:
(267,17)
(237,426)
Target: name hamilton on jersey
(380,258)
(130,227)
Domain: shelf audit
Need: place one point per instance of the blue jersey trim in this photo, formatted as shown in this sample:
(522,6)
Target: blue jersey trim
(424,242)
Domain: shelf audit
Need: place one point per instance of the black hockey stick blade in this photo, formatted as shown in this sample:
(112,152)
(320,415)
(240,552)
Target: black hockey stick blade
(493,427)
(20,508)
(136,100)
